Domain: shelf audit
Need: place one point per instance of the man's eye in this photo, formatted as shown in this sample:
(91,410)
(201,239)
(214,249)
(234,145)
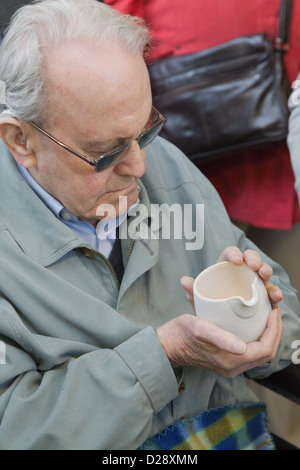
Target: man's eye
(98,153)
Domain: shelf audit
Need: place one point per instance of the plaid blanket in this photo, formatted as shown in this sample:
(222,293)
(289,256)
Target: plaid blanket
(236,427)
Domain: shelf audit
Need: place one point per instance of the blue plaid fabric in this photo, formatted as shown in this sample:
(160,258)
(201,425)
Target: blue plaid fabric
(236,427)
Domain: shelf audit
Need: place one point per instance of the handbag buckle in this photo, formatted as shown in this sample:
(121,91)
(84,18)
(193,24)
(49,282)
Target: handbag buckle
(280,45)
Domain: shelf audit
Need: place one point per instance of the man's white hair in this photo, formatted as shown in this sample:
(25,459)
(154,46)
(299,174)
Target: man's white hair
(48,24)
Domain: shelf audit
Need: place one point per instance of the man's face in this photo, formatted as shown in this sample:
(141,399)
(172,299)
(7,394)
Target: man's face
(98,100)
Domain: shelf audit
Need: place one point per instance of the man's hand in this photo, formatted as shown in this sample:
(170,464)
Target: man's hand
(192,341)
(253,260)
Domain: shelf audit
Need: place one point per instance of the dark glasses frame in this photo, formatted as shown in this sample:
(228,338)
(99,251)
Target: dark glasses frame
(108,159)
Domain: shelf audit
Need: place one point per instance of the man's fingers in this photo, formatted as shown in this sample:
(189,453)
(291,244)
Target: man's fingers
(188,283)
(265,271)
(275,294)
(221,339)
(232,254)
(272,335)
(252,259)
(265,349)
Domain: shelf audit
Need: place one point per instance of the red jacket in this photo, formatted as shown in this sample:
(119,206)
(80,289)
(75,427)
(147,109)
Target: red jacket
(257,185)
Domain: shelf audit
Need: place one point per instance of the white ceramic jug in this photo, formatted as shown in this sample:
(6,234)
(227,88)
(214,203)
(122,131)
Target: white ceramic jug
(234,298)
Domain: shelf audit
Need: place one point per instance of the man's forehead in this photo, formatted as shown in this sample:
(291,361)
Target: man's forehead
(81,66)
(93,143)
(80,77)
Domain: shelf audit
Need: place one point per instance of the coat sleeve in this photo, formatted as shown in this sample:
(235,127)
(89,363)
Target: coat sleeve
(294,133)
(290,311)
(217,222)
(61,408)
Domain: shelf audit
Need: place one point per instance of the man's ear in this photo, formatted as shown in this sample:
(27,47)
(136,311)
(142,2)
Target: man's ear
(16,138)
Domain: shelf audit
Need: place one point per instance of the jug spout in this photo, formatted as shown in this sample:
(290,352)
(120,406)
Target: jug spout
(245,308)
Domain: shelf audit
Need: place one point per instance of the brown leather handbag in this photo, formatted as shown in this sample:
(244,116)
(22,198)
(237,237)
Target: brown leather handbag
(227,97)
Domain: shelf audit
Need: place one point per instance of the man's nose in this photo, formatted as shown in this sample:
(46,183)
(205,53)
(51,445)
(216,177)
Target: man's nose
(133,163)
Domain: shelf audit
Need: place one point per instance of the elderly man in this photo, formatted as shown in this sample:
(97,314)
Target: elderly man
(102,347)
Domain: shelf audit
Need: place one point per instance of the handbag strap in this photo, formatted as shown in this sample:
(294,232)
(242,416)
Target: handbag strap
(285,17)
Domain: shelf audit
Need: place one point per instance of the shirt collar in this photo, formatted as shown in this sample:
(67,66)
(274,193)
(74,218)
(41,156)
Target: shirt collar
(105,229)
(55,206)
(26,217)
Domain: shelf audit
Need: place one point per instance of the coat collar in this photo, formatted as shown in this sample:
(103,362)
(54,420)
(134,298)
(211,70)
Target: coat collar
(29,221)
(34,227)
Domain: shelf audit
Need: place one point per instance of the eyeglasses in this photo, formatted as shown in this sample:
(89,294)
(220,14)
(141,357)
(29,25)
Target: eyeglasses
(108,159)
